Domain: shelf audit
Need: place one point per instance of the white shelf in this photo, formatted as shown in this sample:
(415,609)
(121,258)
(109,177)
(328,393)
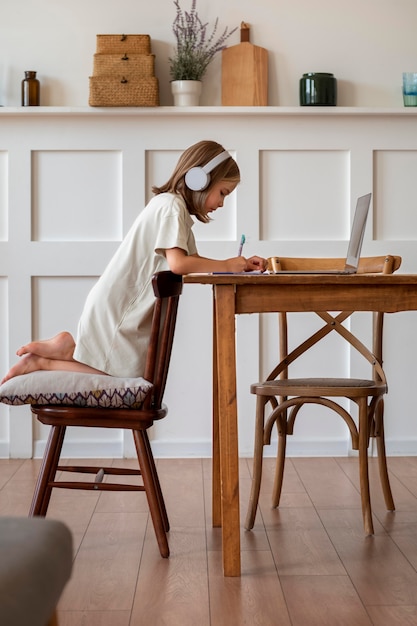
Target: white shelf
(201,111)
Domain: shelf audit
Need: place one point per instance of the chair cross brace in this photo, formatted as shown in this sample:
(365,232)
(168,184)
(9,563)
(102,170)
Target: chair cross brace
(333,323)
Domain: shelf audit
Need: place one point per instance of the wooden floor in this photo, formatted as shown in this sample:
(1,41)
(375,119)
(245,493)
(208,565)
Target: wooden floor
(307,563)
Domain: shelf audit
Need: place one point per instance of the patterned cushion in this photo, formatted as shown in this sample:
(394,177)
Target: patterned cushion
(93,390)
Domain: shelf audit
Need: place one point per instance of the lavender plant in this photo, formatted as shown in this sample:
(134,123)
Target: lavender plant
(195,47)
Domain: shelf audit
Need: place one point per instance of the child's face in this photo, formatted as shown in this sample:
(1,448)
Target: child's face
(217,194)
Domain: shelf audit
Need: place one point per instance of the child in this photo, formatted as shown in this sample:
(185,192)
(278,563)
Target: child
(114,328)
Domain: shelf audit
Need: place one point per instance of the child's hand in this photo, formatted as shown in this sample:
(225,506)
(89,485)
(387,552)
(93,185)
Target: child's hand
(241,264)
(236,264)
(255,263)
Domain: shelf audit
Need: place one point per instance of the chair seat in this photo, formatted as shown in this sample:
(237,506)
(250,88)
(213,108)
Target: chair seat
(88,416)
(316,387)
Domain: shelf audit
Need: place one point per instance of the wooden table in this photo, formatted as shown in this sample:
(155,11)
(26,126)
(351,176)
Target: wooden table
(259,293)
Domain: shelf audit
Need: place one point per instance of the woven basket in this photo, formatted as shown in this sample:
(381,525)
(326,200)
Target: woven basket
(139,65)
(116,91)
(119,44)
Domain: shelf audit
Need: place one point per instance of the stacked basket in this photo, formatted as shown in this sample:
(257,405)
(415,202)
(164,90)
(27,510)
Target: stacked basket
(124,72)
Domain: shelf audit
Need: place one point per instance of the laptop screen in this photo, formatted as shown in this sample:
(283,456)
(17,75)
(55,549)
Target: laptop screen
(358,231)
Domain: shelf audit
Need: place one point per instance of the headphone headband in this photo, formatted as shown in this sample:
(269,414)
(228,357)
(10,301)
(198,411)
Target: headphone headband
(214,162)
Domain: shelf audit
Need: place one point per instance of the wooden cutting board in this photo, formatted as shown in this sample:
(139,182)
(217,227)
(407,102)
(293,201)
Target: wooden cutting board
(244,73)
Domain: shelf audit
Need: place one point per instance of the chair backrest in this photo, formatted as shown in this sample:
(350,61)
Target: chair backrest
(387,264)
(367,265)
(167,288)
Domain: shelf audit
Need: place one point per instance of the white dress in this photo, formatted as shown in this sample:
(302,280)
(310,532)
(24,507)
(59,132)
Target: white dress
(114,328)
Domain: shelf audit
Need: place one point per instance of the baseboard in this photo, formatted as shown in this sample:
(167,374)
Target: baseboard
(202,449)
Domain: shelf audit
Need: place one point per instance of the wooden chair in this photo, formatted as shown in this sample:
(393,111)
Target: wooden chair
(167,288)
(286,396)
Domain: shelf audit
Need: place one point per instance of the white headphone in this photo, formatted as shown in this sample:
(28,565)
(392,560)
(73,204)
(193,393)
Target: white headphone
(198,178)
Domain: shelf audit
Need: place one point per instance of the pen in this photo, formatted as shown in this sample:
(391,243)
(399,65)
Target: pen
(242,241)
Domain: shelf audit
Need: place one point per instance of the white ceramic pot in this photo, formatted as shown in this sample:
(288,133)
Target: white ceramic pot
(186,92)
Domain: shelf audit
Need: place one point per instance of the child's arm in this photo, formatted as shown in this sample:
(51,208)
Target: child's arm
(181,263)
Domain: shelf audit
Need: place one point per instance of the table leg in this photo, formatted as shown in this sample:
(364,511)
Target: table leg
(216,486)
(228,431)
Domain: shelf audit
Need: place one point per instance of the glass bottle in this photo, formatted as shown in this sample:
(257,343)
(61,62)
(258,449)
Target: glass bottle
(30,90)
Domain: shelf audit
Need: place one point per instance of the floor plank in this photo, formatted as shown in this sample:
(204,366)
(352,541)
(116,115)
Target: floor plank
(107,563)
(174,591)
(253,598)
(323,601)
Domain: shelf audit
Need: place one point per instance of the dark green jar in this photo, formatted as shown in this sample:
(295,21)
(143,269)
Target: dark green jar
(318,89)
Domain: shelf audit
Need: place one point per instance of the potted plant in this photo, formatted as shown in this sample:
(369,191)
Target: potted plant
(195,50)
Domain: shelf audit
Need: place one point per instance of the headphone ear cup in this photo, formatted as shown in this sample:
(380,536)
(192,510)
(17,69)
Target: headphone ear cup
(197,179)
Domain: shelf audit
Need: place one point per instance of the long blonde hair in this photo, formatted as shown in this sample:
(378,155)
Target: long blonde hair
(199,155)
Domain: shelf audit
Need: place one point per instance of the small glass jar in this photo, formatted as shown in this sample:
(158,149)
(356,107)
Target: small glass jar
(31,91)
(318,89)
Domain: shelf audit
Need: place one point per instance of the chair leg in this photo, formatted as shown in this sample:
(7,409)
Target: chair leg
(382,460)
(363,466)
(143,449)
(279,468)
(43,491)
(257,464)
(161,500)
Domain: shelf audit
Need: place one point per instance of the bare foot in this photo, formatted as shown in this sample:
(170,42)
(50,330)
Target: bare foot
(60,347)
(28,363)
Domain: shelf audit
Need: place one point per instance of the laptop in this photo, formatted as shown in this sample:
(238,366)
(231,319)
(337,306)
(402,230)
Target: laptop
(355,242)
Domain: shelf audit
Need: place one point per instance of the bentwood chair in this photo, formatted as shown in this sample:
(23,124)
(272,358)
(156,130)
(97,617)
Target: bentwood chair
(167,288)
(279,398)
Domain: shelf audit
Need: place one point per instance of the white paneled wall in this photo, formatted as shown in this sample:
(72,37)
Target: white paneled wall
(64,183)
(289,178)
(73,180)
(395,172)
